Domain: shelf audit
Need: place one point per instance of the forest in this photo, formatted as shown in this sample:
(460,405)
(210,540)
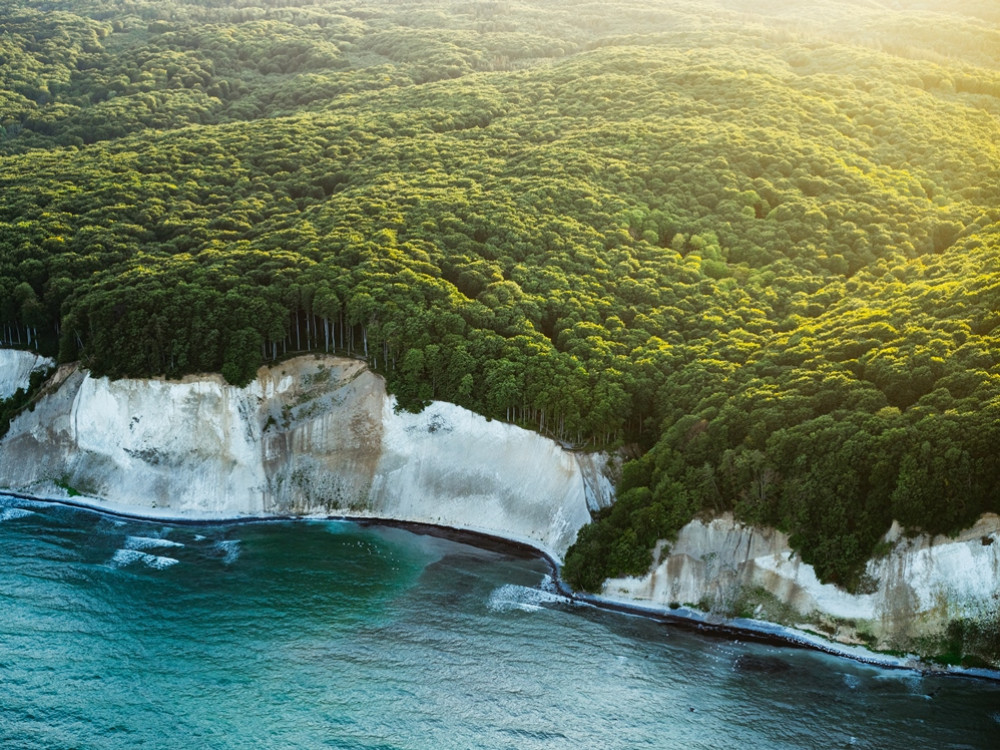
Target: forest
(753,245)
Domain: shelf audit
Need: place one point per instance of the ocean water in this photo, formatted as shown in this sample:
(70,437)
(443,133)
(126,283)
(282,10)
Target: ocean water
(127,634)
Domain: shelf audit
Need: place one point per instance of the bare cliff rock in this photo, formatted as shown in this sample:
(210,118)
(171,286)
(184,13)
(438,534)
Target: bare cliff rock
(16,367)
(935,596)
(319,436)
(311,436)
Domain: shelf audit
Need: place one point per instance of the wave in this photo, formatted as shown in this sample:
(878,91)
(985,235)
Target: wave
(19,502)
(851,681)
(147,542)
(230,549)
(9,514)
(125,557)
(511,597)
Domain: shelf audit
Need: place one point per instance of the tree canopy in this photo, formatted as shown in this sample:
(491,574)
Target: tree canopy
(754,241)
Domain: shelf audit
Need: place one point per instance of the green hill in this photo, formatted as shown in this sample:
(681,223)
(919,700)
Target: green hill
(754,242)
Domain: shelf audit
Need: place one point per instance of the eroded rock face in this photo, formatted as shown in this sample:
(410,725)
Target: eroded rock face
(314,435)
(16,367)
(319,436)
(920,589)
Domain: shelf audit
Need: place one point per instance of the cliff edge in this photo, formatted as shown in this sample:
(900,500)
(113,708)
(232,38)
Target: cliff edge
(937,597)
(16,366)
(319,435)
(315,435)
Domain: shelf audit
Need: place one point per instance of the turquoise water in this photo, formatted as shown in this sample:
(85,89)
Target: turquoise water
(125,634)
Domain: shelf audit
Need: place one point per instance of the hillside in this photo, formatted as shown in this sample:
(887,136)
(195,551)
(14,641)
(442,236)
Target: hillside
(755,242)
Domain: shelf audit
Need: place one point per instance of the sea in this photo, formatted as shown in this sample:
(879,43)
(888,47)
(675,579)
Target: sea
(120,633)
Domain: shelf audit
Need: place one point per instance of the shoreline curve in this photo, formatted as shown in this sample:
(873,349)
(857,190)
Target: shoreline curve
(737,629)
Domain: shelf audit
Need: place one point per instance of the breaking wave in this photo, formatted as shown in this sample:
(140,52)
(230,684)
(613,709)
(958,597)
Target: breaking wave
(9,514)
(511,597)
(230,549)
(125,557)
(147,542)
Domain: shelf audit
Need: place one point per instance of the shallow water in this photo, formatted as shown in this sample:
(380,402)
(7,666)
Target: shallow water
(127,634)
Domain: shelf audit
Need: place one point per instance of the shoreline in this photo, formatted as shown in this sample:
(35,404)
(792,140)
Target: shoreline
(736,629)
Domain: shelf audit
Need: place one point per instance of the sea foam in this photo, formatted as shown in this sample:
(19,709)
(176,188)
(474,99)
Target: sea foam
(511,596)
(125,557)
(230,549)
(9,514)
(147,542)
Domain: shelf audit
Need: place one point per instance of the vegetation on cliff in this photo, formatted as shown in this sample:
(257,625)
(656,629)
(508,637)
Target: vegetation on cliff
(757,241)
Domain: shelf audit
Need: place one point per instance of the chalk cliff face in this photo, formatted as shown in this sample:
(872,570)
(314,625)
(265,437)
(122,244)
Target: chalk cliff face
(318,435)
(921,588)
(16,367)
(315,435)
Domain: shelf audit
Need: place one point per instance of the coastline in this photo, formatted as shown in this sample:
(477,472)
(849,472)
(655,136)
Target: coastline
(757,631)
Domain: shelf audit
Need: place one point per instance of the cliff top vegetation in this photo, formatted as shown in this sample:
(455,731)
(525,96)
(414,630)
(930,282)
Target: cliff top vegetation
(757,241)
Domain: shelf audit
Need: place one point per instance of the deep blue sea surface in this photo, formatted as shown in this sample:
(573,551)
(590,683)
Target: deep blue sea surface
(128,634)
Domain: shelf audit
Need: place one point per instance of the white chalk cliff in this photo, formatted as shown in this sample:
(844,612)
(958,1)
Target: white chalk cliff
(312,436)
(916,591)
(319,436)
(16,367)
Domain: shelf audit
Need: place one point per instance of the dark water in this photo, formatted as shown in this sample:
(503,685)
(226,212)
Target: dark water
(122,634)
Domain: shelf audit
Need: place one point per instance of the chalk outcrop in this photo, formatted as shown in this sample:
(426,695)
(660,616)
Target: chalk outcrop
(320,436)
(16,367)
(916,593)
(312,436)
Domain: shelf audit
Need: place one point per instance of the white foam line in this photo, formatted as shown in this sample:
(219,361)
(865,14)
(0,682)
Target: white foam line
(155,561)
(510,596)
(856,653)
(9,514)
(140,513)
(792,636)
(148,542)
(125,557)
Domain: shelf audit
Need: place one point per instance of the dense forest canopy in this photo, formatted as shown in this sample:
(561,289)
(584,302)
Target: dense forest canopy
(754,242)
